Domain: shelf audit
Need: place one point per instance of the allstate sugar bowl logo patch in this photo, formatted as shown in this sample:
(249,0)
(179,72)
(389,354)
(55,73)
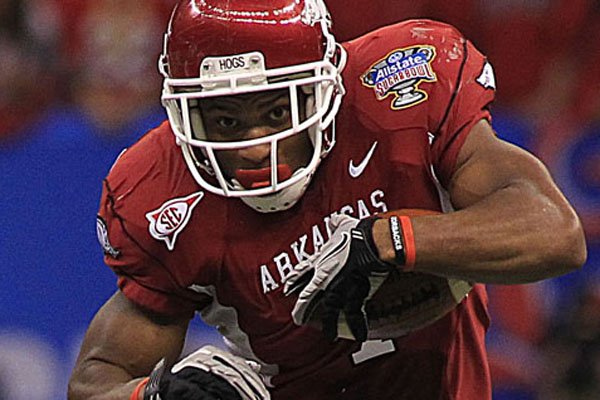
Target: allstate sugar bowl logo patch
(400,73)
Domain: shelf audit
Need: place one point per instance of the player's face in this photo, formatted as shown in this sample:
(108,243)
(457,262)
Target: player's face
(251,116)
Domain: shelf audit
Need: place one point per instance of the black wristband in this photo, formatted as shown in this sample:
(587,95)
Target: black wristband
(397,241)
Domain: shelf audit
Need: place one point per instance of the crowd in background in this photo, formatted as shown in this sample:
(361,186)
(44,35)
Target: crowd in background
(78,83)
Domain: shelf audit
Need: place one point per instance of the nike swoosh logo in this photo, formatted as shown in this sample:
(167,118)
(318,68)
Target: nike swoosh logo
(356,171)
(337,249)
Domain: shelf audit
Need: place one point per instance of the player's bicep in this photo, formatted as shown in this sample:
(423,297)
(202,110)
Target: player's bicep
(486,164)
(128,340)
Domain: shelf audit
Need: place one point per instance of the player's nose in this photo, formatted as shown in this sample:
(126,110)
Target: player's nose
(258,155)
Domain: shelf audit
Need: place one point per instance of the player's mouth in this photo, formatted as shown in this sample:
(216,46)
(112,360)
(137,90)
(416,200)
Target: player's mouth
(261,177)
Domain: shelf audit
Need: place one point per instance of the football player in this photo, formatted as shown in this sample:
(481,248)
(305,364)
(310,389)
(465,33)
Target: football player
(277,186)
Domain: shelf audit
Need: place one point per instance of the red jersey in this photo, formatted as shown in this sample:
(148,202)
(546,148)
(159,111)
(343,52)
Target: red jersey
(414,90)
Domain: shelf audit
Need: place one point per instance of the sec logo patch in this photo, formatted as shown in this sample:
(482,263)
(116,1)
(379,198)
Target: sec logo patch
(167,221)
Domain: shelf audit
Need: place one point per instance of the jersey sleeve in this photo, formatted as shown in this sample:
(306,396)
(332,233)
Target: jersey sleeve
(472,91)
(420,77)
(142,278)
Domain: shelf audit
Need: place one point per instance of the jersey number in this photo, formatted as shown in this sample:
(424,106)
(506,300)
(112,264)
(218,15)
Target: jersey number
(373,348)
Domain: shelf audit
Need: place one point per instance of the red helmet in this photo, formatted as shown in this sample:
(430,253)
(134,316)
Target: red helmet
(222,48)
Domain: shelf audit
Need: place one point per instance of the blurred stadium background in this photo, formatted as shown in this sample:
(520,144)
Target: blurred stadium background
(78,83)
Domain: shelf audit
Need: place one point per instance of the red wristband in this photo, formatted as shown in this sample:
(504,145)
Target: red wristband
(138,389)
(409,242)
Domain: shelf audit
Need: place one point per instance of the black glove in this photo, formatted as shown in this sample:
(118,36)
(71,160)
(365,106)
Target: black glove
(207,374)
(339,277)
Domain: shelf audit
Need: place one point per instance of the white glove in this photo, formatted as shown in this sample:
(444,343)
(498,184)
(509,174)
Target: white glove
(205,364)
(341,276)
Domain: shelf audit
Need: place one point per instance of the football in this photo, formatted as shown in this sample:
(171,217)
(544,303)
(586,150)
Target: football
(406,301)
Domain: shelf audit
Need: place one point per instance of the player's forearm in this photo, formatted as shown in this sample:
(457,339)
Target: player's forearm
(122,344)
(97,380)
(514,235)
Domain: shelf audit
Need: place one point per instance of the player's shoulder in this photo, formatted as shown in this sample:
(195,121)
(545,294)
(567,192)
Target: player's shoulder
(414,67)
(405,34)
(417,49)
(145,161)
(149,173)
(150,191)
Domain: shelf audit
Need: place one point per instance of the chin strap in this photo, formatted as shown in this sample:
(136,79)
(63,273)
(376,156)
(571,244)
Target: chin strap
(281,200)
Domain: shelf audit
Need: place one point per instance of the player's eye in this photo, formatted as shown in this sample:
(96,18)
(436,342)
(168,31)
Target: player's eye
(227,122)
(279,114)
